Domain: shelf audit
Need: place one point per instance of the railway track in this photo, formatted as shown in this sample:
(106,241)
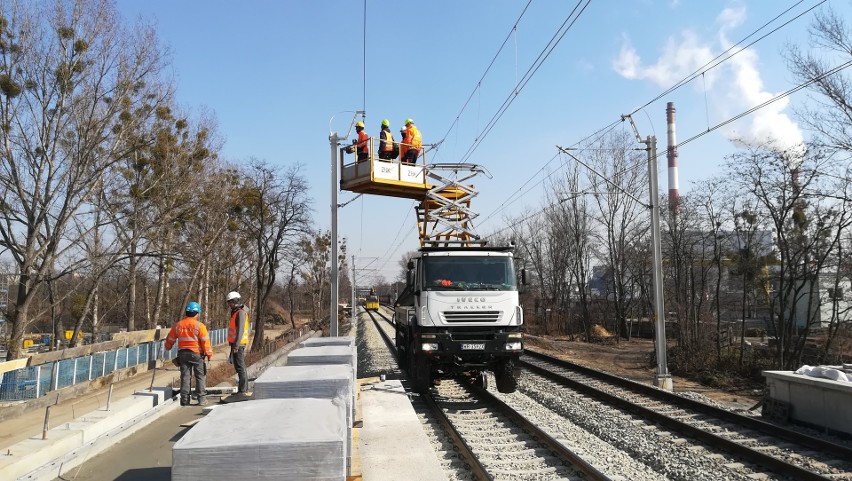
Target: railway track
(763,449)
(494,441)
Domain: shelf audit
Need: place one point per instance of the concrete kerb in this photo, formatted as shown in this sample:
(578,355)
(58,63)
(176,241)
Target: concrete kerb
(71,444)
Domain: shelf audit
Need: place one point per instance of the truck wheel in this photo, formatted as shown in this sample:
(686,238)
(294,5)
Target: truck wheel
(504,374)
(401,351)
(482,380)
(419,370)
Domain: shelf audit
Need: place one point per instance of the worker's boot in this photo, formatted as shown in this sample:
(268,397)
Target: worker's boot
(202,401)
(184,401)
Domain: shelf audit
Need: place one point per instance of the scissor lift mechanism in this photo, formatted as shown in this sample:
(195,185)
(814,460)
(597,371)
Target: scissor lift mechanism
(444,217)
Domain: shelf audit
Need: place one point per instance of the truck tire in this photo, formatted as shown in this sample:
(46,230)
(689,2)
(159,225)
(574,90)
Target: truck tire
(401,351)
(419,370)
(481,380)
(504,375)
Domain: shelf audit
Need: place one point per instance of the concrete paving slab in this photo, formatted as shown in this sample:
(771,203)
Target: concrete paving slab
(391,443)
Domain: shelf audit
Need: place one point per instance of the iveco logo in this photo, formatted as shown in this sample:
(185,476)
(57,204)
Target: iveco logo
(470,299)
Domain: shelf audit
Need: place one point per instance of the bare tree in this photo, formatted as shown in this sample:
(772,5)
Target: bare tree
(316,250)
(792,195)
(621,180)
(69,71)
(276,213)
(831,112)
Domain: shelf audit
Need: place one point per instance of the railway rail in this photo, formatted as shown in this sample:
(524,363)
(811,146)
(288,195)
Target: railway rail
(764,446)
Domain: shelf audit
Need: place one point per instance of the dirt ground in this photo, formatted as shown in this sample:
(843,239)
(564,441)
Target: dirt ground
(632,360)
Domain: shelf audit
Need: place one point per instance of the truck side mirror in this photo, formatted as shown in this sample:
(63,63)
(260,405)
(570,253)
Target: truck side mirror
(410,264)
(523,277)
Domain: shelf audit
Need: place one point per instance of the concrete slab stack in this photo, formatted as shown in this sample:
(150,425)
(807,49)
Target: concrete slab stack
(323,381)
(266,439)
(334,341)
(324,355)
(328,341)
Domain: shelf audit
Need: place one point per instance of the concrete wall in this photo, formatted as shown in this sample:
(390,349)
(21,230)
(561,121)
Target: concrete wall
(822,403)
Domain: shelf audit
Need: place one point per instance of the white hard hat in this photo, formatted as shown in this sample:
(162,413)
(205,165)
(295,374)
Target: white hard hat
(232,295)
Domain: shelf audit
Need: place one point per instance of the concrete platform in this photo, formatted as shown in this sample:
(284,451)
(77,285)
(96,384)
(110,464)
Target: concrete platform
(391,444)
(36,458)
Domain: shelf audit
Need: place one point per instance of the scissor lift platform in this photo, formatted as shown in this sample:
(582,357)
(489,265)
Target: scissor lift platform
(392,178)
(443,216)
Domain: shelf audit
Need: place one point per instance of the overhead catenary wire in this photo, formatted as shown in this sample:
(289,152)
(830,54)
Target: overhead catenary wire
(715,62)
(557,37)
(487,69)
(776,98)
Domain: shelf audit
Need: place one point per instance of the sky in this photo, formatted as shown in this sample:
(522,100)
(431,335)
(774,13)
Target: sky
(498,83)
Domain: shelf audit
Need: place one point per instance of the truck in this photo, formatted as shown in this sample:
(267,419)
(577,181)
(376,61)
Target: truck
(459,315)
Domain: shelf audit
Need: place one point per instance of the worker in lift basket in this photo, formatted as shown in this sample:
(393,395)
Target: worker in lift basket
(362,143)
(413,142)
(388,150)
(194,349)
(238,335)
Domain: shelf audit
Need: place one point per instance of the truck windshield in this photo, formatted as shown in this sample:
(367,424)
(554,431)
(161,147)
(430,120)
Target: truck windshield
(469,273)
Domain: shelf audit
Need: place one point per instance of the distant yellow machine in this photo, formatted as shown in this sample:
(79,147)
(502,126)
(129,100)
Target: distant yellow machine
(372,303)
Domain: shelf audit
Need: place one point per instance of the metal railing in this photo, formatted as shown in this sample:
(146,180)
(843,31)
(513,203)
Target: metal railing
(33,382)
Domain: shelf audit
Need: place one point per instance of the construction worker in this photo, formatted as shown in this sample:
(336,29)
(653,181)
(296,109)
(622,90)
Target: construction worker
(362,144)
(388,150)
(238,338)
(414,142)
(403,147)
(194,349)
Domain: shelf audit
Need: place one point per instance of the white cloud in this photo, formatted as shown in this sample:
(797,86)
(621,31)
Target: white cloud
(733,87)
(680,58)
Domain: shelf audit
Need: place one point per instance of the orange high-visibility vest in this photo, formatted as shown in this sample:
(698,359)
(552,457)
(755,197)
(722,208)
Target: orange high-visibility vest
(190,333)
(232,328)
(387,141)
(413,137)
(403,147)
(363,142)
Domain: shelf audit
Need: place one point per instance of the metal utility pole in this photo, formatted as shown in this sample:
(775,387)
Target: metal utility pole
(335,281)
(334,140)
(663,378)
(352,306)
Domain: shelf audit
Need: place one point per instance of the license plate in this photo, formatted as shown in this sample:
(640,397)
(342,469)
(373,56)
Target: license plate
(473,346)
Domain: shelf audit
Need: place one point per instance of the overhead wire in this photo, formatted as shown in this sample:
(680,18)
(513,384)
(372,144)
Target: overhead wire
(719,59)
(751,110)
(484,74)
(537,63)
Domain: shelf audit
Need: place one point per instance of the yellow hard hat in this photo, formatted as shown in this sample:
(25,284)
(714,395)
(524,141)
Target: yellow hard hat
(385,123)
(408,121)
(360,124)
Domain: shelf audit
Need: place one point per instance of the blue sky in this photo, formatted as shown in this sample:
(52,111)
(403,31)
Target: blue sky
(280,75)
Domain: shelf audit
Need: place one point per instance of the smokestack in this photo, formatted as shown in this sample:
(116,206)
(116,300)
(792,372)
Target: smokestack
(671,155)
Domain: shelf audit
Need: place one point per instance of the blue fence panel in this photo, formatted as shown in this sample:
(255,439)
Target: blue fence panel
(66,373)
(82,370)
(121,355)
(109,361)
(20,384)
(44,378)
(132,356)
(98,359)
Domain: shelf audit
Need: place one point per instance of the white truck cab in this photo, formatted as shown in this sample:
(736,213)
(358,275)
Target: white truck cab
(459,314)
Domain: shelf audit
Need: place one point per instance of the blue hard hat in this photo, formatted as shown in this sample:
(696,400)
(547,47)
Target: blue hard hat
(193,308)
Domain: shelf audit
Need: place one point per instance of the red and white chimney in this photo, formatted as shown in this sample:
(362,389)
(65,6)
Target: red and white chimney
(671,155)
